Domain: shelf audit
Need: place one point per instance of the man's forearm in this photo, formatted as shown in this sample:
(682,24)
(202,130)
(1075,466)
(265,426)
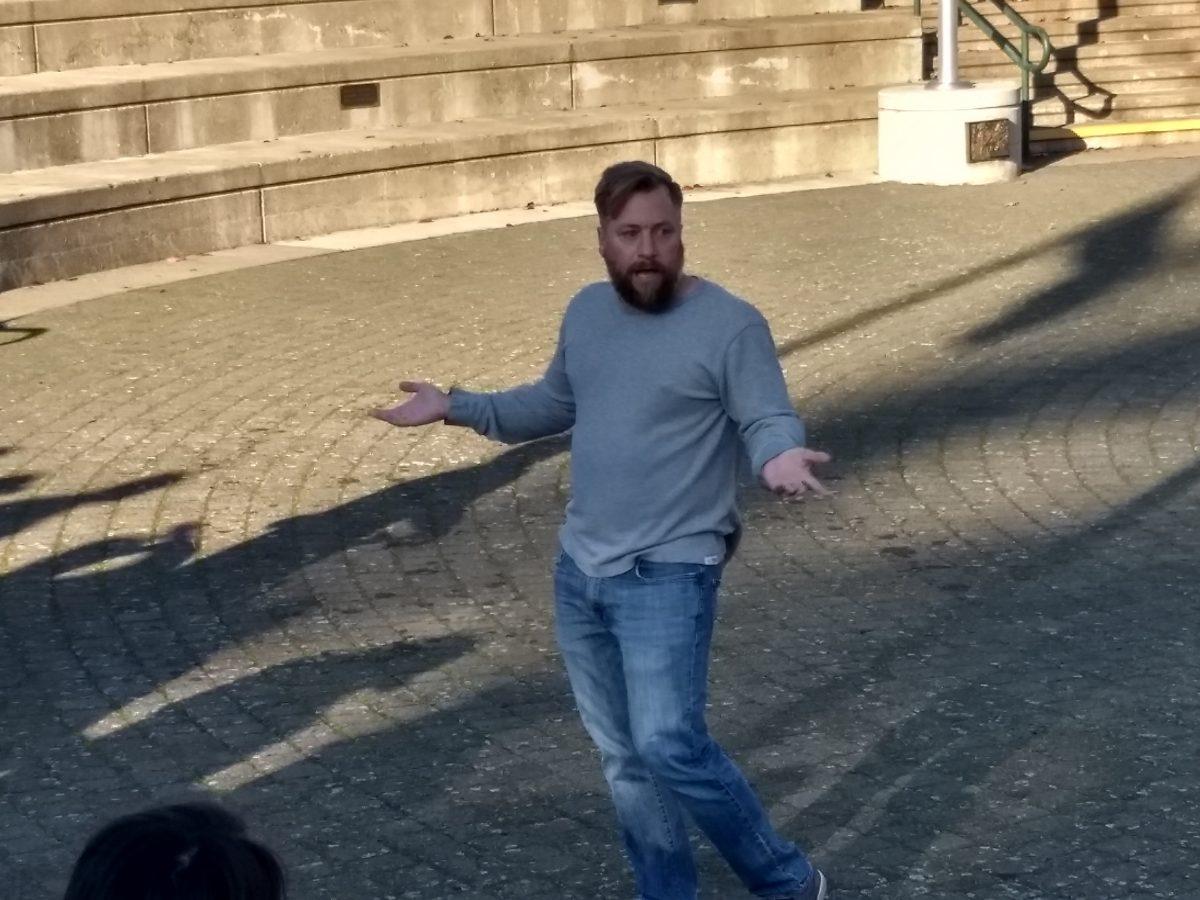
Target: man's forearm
(521,414)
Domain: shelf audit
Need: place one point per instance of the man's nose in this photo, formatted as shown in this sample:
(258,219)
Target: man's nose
(645,245)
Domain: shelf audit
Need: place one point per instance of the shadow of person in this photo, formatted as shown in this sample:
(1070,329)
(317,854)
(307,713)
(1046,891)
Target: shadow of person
(427,509)
(13,484)
(16,515)
(10,334)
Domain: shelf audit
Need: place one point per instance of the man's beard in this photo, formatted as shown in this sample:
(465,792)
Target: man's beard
(654,300)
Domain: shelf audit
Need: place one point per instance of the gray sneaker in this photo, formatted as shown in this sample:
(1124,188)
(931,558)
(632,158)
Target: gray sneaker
(816,887)
(819,881)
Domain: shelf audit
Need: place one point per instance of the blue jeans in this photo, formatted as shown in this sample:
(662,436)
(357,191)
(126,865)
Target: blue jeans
(636,647)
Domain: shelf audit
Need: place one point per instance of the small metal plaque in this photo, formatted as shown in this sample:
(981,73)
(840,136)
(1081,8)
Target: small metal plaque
(360,96)
(989,140)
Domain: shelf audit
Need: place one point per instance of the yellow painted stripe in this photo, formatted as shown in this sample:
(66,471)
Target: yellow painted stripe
(1104,129)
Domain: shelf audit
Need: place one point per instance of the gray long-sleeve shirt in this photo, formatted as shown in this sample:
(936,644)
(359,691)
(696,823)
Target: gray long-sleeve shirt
(658,403)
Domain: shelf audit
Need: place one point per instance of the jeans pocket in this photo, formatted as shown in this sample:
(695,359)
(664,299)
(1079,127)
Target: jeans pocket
(649,572)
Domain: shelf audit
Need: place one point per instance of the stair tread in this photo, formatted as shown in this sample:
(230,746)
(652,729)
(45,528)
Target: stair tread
(1139,98)
(1187,122)
(251,164)
(40,11)
(1114,25)
(1108,53)
(1100,7)
(1119,45)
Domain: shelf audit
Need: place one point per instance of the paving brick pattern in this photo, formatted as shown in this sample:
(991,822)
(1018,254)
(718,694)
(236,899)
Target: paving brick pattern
(972,674)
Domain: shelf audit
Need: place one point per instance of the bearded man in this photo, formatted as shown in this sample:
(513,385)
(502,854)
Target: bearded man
(660,375)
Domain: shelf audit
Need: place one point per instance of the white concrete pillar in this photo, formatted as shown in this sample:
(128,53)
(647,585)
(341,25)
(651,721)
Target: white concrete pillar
(925,133)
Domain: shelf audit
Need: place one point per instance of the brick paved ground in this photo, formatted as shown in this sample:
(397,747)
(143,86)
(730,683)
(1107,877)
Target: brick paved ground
(971,675)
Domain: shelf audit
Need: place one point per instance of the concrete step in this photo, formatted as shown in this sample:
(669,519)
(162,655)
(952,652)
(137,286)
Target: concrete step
(1054,111)
(1033,10)
(1081,33)
(62,118)
(1094,71)
(48,35)
(60,222)
(1113,135)
(1098,9)
(1119,80)
(1121,53)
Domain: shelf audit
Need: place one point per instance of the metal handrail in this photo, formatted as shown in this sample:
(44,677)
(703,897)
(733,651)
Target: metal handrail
(1019,56)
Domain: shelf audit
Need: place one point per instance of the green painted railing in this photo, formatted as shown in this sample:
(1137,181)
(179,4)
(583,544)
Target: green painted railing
(1019,55)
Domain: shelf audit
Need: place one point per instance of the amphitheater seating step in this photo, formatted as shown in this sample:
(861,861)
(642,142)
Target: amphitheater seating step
(62,118)
(148,151)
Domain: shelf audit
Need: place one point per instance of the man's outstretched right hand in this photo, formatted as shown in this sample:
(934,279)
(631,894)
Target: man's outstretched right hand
(427,405)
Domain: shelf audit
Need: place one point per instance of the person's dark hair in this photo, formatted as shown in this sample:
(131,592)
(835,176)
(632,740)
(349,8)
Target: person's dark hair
(190,851)
(621,181)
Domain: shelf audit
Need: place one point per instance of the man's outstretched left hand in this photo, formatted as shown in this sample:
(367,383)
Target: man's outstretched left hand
(790,473)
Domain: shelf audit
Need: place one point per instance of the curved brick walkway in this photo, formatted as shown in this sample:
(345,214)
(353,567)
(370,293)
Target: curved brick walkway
(971,675)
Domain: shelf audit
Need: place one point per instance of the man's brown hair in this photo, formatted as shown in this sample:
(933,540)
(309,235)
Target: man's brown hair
(624,179)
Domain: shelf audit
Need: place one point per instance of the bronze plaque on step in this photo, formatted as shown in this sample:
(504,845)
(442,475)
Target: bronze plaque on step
(360,96)
(988,140)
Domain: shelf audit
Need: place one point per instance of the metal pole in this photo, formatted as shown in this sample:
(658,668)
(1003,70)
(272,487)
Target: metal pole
(1026,98)
(948,45)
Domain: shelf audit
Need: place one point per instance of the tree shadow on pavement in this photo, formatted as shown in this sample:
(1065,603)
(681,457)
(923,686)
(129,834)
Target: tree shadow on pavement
(1016,709)
(270,717)
(1006,731)
(497,794)
(1036,655)
(111,624)
(1104,245)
